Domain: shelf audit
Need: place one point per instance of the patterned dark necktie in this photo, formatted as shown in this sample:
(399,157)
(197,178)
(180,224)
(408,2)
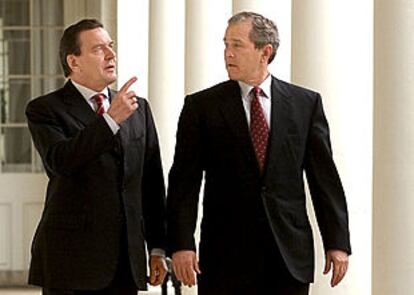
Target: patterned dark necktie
(99,99)
(259,129)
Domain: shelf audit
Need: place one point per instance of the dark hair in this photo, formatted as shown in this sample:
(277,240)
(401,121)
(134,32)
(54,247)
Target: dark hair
(264,31)
(69,43)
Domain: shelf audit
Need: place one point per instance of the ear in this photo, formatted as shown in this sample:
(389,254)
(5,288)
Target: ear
(266,52)
(73,63)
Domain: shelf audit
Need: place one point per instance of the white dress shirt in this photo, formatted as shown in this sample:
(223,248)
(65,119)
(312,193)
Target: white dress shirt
(88,94)
(264,100)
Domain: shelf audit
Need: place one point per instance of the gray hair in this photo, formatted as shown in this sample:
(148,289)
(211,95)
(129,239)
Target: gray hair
(264,31)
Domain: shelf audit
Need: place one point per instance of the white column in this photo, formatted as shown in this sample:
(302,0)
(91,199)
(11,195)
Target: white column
(132,44)
(393,259)
(166,70)
(280,12)
(332,53)
(206,22)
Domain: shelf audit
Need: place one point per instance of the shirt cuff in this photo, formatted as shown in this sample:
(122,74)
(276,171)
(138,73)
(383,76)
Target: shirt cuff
(111,123)
(158,252)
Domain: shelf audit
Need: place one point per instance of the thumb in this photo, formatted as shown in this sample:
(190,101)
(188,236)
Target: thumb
(328,263)
(152,276)
(196,266)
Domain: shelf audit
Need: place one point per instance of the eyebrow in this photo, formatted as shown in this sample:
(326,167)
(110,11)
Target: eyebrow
(233,40)
(103,44)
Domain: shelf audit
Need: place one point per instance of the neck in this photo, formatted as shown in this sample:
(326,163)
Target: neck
(257,80)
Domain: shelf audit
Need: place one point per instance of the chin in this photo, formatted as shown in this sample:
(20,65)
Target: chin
(232,76)
(232,73)
(111,79)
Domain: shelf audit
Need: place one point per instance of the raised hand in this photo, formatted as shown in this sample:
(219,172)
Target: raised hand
(124,103)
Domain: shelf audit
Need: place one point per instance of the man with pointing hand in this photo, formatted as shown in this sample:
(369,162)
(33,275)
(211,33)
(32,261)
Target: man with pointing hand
(105,196)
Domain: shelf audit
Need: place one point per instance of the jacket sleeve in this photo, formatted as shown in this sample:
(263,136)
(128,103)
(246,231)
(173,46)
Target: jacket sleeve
(153,189)
(325,185)
(185,180)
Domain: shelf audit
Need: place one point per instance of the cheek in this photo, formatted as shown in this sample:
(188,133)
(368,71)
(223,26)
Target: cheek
(252,61)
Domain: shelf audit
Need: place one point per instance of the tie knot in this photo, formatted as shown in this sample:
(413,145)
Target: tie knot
(257,91)
(99,98)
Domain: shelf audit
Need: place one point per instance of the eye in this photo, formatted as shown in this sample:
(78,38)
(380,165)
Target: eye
(98,48)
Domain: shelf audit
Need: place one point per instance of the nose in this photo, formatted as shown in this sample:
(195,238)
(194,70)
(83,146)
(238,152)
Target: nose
(228,52)
(110,53)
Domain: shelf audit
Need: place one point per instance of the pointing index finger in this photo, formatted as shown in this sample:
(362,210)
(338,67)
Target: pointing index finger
(128,84)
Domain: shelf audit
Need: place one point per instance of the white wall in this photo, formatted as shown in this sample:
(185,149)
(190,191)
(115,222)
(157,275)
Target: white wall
(21,202)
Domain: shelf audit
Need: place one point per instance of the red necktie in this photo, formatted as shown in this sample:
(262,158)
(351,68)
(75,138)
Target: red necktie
(258,128)
(99,99)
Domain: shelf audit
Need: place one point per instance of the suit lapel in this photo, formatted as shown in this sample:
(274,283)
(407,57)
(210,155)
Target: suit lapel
(281,108)
(77,105)
(235,115)
(79,109)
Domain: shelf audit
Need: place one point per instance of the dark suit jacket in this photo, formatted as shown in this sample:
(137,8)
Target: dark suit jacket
(99,185)
(213,136)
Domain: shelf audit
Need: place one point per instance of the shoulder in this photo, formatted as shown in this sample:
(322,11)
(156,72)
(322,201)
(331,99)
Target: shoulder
(217,89)
(294,90)
(49,100)
(142,101)
(214,93)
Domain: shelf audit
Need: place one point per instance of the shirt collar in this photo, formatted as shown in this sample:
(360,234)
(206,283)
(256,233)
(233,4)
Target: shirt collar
(265,86)
(87,93)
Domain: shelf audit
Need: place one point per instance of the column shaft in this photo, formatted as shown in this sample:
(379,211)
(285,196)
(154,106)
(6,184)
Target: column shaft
(393,254)
(133,44)
(206,22)
(333,55)
(166,70)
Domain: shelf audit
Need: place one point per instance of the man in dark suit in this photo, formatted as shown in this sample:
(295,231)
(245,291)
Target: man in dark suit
(254,136)
(105,197)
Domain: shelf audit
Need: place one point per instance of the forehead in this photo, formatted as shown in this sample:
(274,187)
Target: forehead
(238,31)
(93,37)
